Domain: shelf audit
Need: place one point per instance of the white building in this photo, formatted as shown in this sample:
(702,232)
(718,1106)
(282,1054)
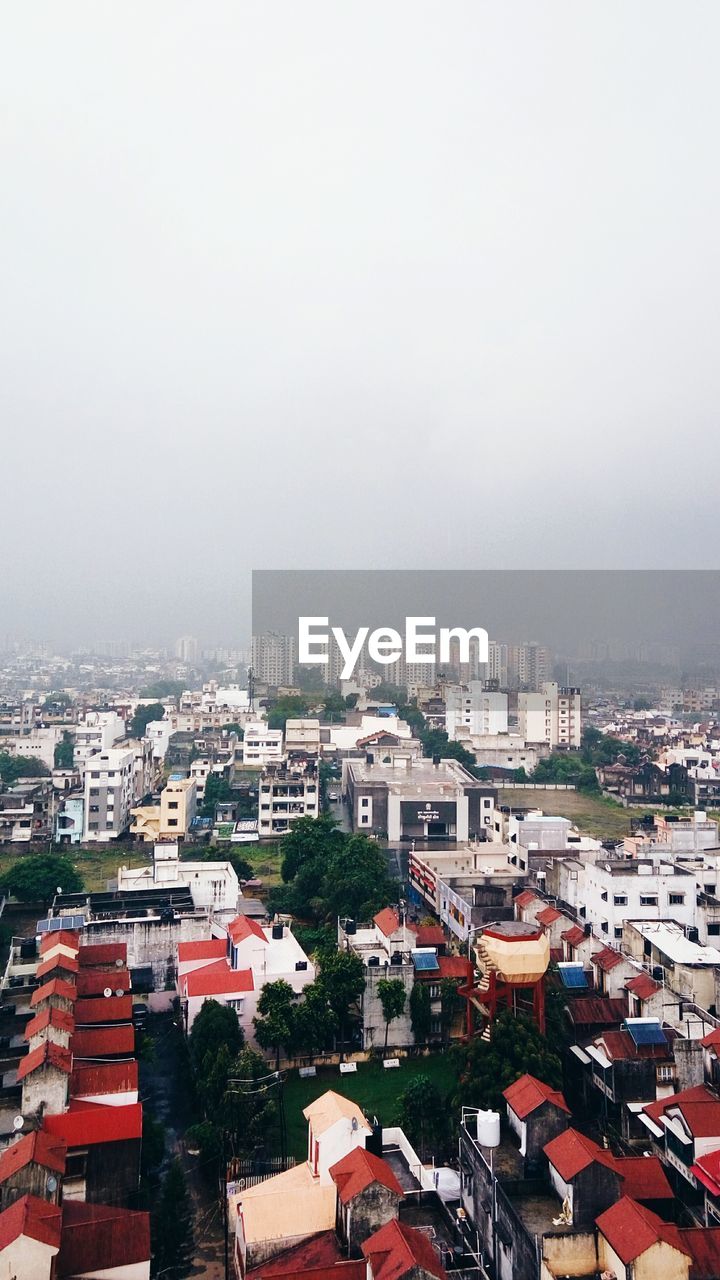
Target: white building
(552,715)
(473,709)
(97,731)
(39,744)
(262,745)
(302,737)
(109,793)
(284,796)
(233,966)
(273,659)
(214,885)
(606,893)
(158,732)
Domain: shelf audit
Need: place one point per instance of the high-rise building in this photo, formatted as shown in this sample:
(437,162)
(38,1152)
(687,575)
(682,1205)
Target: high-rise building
(474,710)
(273,659)
(551,715)
(187,649)
(528,665)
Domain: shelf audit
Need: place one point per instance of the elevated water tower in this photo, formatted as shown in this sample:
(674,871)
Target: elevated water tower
(513,957)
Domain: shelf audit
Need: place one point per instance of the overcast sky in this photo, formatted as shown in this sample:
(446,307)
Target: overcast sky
(322,283)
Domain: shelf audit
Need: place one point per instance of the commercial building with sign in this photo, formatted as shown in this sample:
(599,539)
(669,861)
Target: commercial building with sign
(418,799)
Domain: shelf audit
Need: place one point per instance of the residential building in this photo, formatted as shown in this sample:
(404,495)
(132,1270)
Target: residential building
(172,817)
(26,811)
(551,715)
(213,885)
(607,893)
(96,732)
(285,794)
(273,659)
(302,739)
(262,745)
(70,819)
(464,887)
(233,965)
(472,709)
(109,793)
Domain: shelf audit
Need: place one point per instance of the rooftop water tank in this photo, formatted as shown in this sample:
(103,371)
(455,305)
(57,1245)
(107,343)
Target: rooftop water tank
(488,1128)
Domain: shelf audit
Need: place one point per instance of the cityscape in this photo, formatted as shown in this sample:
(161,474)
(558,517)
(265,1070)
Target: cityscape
(303,975)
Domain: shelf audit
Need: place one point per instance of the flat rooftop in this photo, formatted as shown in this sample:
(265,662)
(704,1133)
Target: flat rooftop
(670,939)
(423,777)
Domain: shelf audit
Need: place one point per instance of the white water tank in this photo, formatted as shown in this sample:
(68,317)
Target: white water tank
(488,1128)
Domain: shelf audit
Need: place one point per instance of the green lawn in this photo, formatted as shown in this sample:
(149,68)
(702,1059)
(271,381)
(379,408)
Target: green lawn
(264,859)
(96,866)
(594,815)
(374,1088)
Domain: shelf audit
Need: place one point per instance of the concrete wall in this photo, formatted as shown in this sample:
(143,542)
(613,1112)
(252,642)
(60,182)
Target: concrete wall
(151,942)
(400,1032)
(365,1214)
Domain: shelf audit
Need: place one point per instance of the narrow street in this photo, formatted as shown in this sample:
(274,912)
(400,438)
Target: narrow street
(165,1092)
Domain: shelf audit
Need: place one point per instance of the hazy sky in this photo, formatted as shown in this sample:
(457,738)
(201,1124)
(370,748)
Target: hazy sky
(322,283)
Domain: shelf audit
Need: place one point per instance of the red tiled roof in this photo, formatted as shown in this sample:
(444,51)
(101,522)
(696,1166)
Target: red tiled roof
(64,937)
(571,1152)
(52,1055)
(358,1170)
(92,982)
(452,967)
(712,1039)
(100,1237)
(620,1046)
(573,936)
(396,1251)
(243,927)
(548,916)
(643,1178)
(103,1042)
(703,1243)
(643,986)
(528,1093)
(58,960)
(50,1017)
(707,1170)
(387,921)
(217,980)
(429,935)
(597,1011)
(34,1148)
(103,1077)
(91,1123)
(57,987)
(606,959)
(525,898)
(102,953)
(103,1009)
(319,1254)
(630,1229)
(699,1108)
(32,1217)
(205,949)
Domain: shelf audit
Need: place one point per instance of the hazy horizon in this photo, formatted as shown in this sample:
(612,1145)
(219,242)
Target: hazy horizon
(323,286)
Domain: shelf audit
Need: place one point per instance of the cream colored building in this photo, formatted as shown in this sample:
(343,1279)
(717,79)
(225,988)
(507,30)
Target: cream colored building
(171,818)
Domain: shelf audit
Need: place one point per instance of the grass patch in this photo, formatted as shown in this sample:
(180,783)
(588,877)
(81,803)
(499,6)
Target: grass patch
(265,861)
(96,866)
(594,815)
(374,1089)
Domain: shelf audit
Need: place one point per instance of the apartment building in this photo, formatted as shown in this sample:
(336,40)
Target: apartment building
(273,659)
(286,794)
(26,811)
(472,709)
(172,817)
(109,793)
(418,799)
(529,665)
(302,739)
(606,893)
(551,715)
(262,745)
(96,732)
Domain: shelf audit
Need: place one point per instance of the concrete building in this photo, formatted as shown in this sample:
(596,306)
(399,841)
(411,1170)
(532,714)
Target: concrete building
(472,709)
(285,794)
(302,739)
(109,793)
(422,799)
(172,817)
(273,658)
(262,745)
(607,893)
(551,715)
(464,887)
(70,819)
(214,885)
(26,811)
(96,732)
(38,744)
(528,665)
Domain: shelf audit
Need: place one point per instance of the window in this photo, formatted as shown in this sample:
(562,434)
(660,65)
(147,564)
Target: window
(618,931)
(604,895)
(364,802)
(94,791)
(676,899)
(582,912)
(604,926)
(665,1073)
(714,929)
(648,900)
(172,822)
(620,899)
(172,804)
(94,808)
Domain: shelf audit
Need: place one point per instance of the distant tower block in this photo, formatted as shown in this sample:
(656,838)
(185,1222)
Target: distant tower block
(513,958)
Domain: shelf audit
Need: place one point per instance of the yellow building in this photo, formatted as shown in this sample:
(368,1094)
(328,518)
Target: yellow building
(171,818)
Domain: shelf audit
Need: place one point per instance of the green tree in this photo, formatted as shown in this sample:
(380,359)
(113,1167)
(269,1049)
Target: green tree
(315,1020)
(386,692)
(57,702)
(249,1108)
(215,1026)
(450,1005)
(423,1115)
(310,679)
(163,689)
(38,878)
(351,701)
(342,977)
(14,767)
(64,753)
(391,992)
(217,791)
(308,839)
(172,1222)
(420,1012)
(144,713)
(566,767)
(334,707)
(292,707)
(275,1026)
(486,1067)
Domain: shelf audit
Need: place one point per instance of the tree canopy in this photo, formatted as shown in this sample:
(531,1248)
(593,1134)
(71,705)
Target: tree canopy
(423,1115)
(14,767)
(486,1067)
(38,877)
(275,1024)
(391,992)
(330,873)
(64,754)
(144,713)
